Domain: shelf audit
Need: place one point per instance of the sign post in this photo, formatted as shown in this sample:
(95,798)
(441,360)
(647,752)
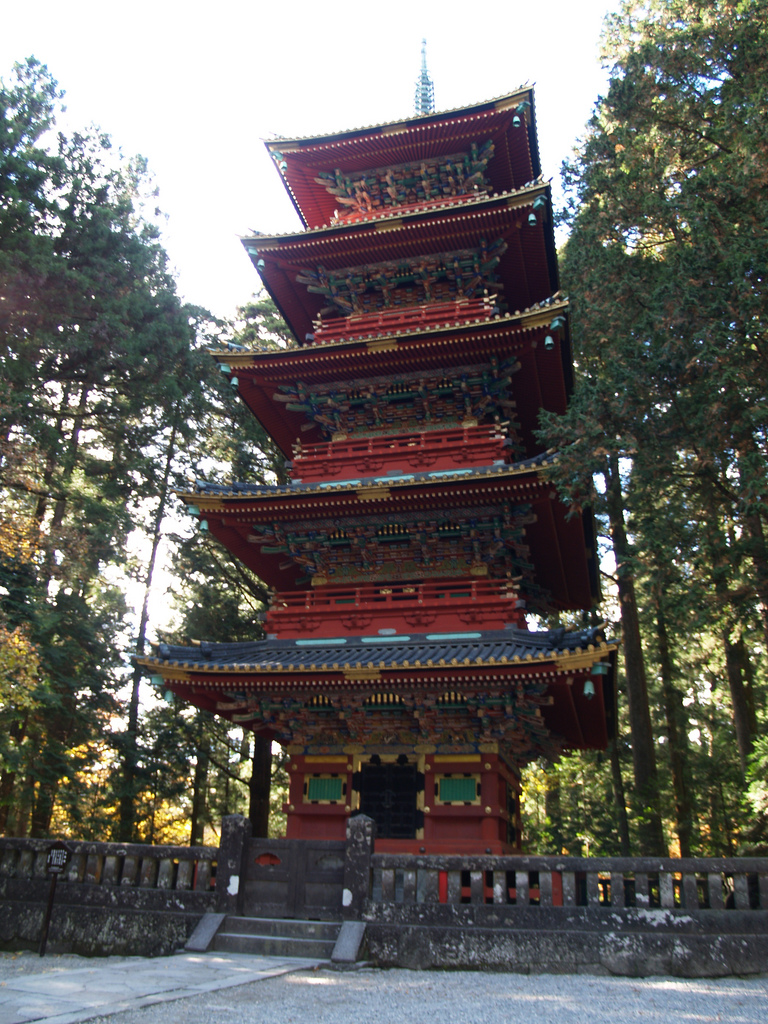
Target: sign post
(57,860)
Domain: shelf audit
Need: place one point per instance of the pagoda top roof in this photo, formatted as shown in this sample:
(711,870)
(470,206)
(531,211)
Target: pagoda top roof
(507,101)
(509,120)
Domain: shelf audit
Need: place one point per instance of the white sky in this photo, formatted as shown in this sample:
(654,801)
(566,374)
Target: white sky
(195,88)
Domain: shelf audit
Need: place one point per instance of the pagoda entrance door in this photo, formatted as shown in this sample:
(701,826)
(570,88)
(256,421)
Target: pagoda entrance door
(388,794)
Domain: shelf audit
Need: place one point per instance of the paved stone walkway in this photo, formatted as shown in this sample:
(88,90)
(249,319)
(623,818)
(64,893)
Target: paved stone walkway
(58,990)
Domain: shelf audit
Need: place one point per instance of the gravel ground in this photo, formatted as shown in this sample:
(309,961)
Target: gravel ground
(413,997)
(444,997)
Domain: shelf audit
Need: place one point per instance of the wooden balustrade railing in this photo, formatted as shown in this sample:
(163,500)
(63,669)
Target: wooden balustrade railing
(115,864)
(404,318)
(599,883)
(462,440)
(445,605)
(375,594)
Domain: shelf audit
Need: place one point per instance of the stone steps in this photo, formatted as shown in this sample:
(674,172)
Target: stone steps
(261,936)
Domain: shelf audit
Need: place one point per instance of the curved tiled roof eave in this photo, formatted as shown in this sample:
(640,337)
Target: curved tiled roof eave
(552,649)
(556,303)
(530,190)
(244,490)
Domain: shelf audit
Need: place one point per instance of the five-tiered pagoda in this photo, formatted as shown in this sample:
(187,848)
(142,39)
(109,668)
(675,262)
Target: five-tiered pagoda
(418,526)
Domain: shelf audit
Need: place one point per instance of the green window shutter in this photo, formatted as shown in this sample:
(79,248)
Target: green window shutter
(324,789)
(457,790)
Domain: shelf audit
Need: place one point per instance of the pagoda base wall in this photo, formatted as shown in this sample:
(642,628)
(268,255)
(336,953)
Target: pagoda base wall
(445,847)
(422,802)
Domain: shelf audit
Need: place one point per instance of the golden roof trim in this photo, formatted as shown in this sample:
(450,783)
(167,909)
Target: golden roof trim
(555,663)
(510,198)
(377,491)
(584,659)
(293,143)
(526,319)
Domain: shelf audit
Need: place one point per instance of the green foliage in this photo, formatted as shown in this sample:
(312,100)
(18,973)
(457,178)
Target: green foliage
(569,807)
(216,596)
(259,325)
(665,266)
(107,402)
(93,343)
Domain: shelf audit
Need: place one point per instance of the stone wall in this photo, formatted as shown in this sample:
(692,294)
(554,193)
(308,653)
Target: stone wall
(656,942)
(628,916)
(112,898)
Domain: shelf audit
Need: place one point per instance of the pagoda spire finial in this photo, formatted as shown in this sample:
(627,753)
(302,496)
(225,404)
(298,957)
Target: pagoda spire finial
(424,102)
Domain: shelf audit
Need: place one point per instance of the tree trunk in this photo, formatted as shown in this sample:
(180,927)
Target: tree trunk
(554,814)
(620,800)
(47,769)
(646,805)
(42,810)
(7,783)
(16,734)
(199,793)
(22,808)
(739,698)
(727,826)
(721,567)
(70,455)
(759,556)
(259,786)
(757,549)
(748,672)
(126,831)
(676,734)
(51,460)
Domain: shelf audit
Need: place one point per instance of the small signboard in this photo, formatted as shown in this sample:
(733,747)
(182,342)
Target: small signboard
(58,858)
(56,861)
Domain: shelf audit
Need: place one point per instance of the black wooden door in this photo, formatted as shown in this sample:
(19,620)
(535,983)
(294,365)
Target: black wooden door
(388,795)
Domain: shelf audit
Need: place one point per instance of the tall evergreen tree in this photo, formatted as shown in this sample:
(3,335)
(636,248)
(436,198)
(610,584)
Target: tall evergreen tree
(92,340)
(664,264)
(220,599)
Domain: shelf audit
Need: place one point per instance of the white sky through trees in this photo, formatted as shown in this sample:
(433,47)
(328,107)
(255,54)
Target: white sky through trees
(195,88)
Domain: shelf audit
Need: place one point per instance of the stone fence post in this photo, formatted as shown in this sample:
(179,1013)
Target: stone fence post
(231,865)
(357,866)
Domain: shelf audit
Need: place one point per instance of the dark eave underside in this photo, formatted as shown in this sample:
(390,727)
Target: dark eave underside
(527,270)
(553,663)
(560,548)
(544,380)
